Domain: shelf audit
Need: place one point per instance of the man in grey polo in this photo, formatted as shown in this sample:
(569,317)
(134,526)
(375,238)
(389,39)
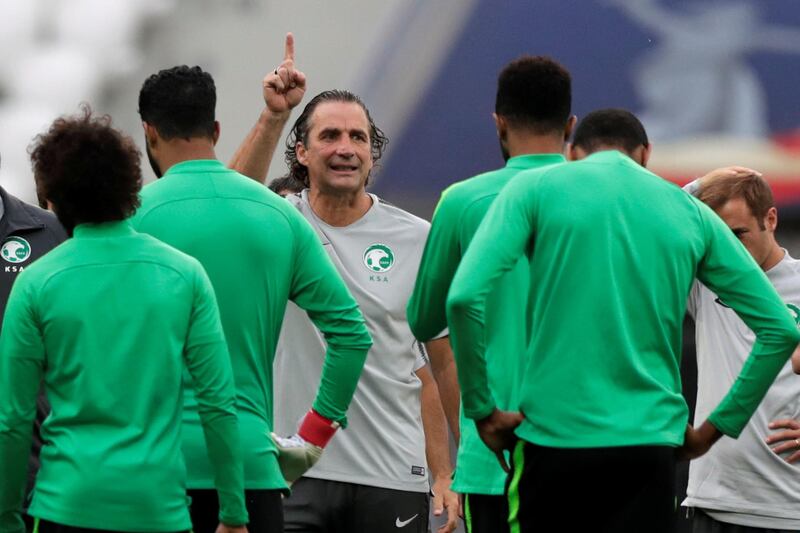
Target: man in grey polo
(373,476)
(26,234)
(386,406)
(741,485)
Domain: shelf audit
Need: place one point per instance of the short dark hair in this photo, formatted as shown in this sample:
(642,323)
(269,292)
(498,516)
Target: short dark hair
(87,169)
(610,128)
(302,126)
(534,93)
(753,189)
(179,102)
(285,183)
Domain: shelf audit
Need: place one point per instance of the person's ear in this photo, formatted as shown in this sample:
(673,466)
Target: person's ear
(576,153)
(500,124)
(570,127)
(215,136)
(570,152)
(771,220)
(647,150)
(151,135)
(301,153)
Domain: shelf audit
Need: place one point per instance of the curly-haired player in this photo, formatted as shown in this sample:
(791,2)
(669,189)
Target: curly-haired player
(109,320)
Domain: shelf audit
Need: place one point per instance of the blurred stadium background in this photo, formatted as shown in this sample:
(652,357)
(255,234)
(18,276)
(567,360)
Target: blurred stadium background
(715,81)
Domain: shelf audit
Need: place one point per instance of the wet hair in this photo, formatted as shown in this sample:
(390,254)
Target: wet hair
(534,93)
(610,128)
(87,169)
(285,183)
(302,126)
(179,102)
(753,189)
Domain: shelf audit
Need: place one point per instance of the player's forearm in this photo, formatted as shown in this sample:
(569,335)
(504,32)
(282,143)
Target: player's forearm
(426,312)
(19,384)
(443,367)
(337,316)
(344,361)
(500,241)
(768,357)
(760,307)
(217,409)
(318,288)
(15,444)
(762,310)
(253,156)
(776,339)
(212,378)
(466,318)
(434,423)
(221,431)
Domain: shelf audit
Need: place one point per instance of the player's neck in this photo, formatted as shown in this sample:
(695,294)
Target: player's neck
(527,144)
(338,208)
(180,150)
(775,256)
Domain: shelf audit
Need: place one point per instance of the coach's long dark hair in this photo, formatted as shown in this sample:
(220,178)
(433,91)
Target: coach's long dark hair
(302,125)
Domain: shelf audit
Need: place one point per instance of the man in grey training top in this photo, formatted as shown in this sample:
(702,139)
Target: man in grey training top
(374,476)
(741,485)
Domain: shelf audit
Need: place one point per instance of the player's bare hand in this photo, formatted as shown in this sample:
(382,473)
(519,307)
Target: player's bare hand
(497,432)
(222,528)
(728,172)
(696,442)
(788,440)
(445,499)
(285,86)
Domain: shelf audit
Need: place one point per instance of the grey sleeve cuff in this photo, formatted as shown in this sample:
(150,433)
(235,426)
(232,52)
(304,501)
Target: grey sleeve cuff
(692,187)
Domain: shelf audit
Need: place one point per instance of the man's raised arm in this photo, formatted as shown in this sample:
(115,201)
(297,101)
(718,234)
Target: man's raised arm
(283,89)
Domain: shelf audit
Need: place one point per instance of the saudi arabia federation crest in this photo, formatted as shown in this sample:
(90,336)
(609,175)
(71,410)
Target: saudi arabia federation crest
(378,258)
(15,250)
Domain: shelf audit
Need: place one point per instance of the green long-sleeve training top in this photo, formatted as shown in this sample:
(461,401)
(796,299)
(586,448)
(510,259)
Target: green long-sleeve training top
(110,319)
(454,224)
(613,251)
(259,252)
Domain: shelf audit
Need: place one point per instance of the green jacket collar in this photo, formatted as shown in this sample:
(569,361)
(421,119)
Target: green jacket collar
(116,228)
(196,166)
(534,160)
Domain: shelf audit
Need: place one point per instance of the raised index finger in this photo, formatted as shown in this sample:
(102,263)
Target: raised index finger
(288,49)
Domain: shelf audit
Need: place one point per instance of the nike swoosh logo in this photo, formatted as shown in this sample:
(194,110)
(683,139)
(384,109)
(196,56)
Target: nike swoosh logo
(720,302)
(404,523)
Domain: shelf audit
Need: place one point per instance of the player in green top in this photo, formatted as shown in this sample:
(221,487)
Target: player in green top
(532,116)
(109,320)
(259,253)
(613,252)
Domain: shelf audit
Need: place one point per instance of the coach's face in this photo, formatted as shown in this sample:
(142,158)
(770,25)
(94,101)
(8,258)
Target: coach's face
(338,154)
